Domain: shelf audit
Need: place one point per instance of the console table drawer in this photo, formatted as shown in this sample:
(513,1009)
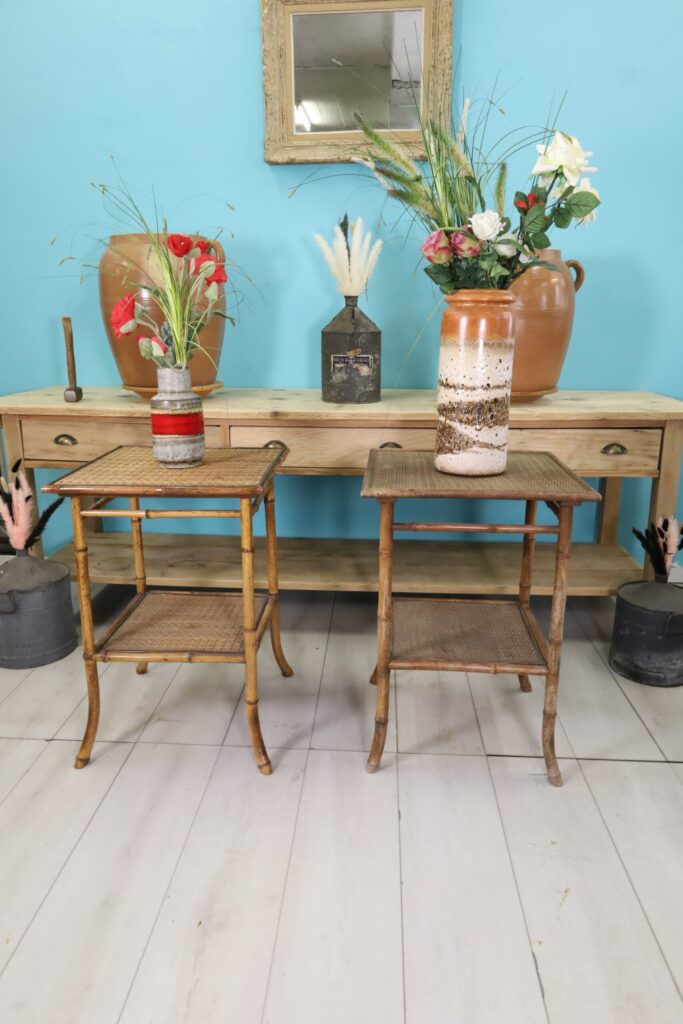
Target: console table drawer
(623,452)
(330,449)
(73,440)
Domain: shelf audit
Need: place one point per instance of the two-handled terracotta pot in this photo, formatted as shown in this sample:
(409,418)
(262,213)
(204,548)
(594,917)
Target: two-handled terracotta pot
(543,324)
(127,264)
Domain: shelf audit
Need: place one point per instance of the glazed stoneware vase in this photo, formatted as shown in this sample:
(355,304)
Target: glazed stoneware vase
(475,376)
(178,439)
(543,324)
(125,264)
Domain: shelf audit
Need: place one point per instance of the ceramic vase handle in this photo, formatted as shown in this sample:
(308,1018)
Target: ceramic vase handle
(578,271)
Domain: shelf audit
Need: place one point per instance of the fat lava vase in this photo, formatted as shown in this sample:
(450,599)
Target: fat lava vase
(178,439)
(475,377)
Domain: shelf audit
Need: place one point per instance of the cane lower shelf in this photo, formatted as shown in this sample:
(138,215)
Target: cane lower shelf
(446,635)
(187,626)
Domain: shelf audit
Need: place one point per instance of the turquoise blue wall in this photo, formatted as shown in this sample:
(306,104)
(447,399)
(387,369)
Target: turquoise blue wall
(173,90)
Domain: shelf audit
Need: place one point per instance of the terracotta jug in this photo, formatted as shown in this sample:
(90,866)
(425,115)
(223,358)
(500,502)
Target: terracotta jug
(475,372)
(543,325)
(125,264)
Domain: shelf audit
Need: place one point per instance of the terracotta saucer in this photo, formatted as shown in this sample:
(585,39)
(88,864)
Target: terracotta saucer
(200,389)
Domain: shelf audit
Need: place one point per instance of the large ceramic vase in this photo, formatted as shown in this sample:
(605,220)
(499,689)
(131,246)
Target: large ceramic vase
(127,262)
(178,439)
(475,375)
(543,325)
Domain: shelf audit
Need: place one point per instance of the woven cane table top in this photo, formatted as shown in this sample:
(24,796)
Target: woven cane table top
(474,635)
(394,473)
(182,622)
(134,472)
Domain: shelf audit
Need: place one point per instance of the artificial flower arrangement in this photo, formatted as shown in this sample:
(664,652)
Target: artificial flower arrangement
(16,511)
(185,287)
(471,245)
(661,541)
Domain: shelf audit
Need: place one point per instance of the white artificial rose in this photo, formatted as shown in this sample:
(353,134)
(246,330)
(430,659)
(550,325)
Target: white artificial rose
(563,154)
(503,248)
(486,226)
(585,186)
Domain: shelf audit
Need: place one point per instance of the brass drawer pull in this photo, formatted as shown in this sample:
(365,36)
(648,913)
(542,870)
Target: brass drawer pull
(390,444)
(275,444)
(66,440)
(614,449)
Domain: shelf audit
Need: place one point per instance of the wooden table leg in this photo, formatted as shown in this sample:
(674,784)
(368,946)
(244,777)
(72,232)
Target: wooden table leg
(526,573)
(555,637)
(139,562)
(608,512)
(664,497)
(384,613)
(273,585)
(88,635)
(251,682)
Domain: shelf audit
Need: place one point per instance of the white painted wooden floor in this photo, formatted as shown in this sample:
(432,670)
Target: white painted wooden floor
(170,882)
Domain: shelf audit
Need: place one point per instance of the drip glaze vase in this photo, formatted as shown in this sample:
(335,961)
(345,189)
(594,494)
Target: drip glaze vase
(475,377)
(178,440)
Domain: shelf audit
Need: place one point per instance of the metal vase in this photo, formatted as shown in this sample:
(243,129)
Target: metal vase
(37,624)
(351,348)
(178,439)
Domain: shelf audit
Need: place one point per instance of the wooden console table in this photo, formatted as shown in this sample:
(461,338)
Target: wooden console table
(605,434)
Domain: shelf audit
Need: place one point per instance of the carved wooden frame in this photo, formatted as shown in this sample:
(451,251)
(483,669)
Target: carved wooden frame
(282,144)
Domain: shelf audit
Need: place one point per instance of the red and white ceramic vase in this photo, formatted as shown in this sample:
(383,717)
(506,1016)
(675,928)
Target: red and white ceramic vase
(178,439)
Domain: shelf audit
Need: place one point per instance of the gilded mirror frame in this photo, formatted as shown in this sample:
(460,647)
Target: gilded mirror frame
(283,145)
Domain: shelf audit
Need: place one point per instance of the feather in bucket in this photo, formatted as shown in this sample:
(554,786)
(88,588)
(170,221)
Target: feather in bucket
(16,511)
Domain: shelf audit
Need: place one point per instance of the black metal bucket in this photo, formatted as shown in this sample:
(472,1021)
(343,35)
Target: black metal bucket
(647,639)
(37,623)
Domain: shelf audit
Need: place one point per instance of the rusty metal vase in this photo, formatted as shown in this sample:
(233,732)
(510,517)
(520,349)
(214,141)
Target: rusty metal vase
(127,262)
(178,439)
(475,375)
(351,350)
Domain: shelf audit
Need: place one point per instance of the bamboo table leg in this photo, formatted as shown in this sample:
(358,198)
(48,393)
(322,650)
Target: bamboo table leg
(251,684)
(528,545)
(273,585)
(555,635)
(384,613)
(88,635)
(139,561)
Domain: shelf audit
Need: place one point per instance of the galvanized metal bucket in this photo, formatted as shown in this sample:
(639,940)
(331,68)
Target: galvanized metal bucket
(647,639)
(37,623)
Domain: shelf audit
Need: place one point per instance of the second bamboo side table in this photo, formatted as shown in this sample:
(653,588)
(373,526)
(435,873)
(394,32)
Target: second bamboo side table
(475,635)
(179,626)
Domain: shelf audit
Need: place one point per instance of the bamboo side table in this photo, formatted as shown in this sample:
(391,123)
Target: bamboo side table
(493,636)
(170,625)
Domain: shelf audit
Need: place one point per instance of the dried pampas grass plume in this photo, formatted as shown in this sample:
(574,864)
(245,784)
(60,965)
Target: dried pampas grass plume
(351,257)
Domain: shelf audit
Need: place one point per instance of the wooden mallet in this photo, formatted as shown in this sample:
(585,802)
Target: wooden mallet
(73,393)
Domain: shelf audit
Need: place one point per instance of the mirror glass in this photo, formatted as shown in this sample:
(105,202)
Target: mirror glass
(365,61)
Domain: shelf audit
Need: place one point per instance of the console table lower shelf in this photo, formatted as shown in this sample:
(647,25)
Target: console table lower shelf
(435,567)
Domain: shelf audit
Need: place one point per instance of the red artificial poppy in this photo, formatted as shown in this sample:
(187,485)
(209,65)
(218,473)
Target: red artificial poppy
(179,245)
(122,317)
(217,276)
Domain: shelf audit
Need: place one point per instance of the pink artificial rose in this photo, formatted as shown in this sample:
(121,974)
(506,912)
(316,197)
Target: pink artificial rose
(465,247)
(436,247)
(158,347)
